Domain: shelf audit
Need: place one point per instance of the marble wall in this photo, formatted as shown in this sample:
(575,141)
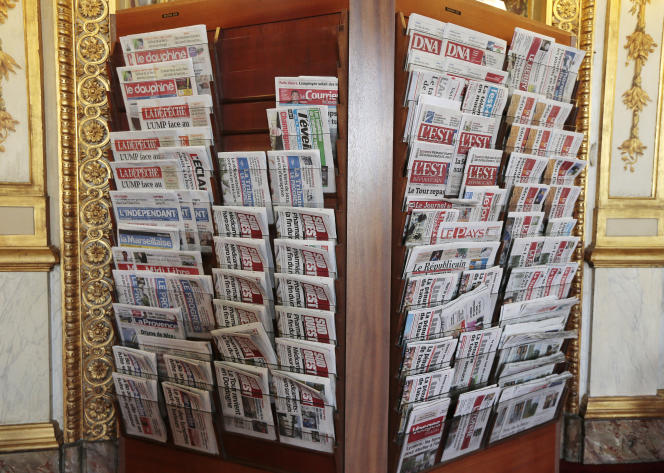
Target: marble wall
(25,369)
(626,345)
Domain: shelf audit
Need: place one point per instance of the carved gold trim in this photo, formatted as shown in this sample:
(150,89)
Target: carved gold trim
(577,17)
(82,38)
(612,407)
(19,437)
(639,45)
(626,251)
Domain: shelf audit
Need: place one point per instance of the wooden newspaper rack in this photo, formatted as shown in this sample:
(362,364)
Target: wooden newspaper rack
(252,42)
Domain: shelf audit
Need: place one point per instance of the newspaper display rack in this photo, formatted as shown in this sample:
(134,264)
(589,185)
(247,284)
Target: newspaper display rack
(237,342)
(230,261)
(476,358)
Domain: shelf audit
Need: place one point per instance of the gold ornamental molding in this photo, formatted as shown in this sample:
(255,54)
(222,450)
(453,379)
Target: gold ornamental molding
(622,407)
(24,242)
(19,437)
(578,17)
(639,46)
(629,213)
(82,39)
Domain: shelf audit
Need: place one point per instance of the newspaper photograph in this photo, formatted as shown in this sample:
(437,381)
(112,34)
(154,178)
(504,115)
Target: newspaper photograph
(481,168)
(560,226)
(306,127)
(246,343)
(140,413)
(428,355)
(244,391)
(304,417)
(190,417)
(191,239)
(309,292)
(296,178)
(307,257)
(524,406)
(176,112)
(154,81)
(137,362)
(456,256)
(429,290)
(238,221)
(151,238)
(157,322)
(305,356)
(309,324)
(306,224)
(422,227)
(237,285)
(140,145)
(469,422)
(171,45)
(249,254)
(160,261)
(422,436)
(231,313)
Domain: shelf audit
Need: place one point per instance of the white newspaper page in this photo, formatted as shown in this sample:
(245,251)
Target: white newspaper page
(190,417)
(309,292)
(140,145)
(307,257)
(160,261)
(175,112)
(140,415)
(244,392)
(309,324)
(243,222)
(296,178)
(238,285)
(244,179)
(151,238)
(306,224)
(429,290)
(231,313)
(451,257)
(133,320)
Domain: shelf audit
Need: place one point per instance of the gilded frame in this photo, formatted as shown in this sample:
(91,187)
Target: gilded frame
(29,251)
(82,49)
(629,248)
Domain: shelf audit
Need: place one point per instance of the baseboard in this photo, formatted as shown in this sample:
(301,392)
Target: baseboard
(621,407)
(20,437)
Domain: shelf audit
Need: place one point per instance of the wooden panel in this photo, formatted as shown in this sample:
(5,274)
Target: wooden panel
(139,456)
(535,451)
(479,16)
(252,56)
(225,14)
(371,66)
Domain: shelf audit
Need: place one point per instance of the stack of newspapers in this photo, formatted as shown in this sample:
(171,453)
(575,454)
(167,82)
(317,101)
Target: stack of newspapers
(165,188)
(489,201)
(275,298)
(253,341)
